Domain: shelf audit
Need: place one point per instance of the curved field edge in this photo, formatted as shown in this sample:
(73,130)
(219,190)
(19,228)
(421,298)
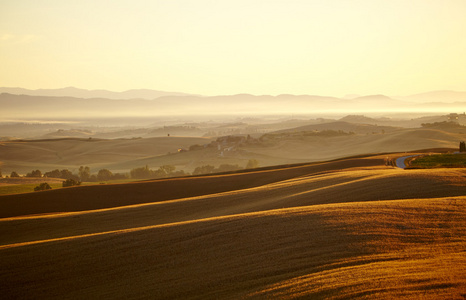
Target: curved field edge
(87,198)
(113,195)
(385,249)
(345,186)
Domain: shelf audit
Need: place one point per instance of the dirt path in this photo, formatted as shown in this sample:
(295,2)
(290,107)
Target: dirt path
(400,162)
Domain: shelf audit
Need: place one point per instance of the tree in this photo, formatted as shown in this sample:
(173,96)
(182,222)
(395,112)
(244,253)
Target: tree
(42,187)
(207,169)
(66,174)
(84,173)
(118,176)
(140,173)
(14,174)
(34,173)
(159,173)
(178,173)
(167,169)
(104,175)
(70,182)
(252,164)
(462,147)
(53,174)
(228,168)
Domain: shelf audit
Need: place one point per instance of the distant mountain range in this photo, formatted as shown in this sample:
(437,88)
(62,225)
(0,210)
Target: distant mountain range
(74,103)
(438,96)
(148,94)
(88,94)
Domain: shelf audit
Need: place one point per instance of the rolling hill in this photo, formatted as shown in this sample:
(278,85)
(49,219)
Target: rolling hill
(352,228)
(295,145)
(49,154)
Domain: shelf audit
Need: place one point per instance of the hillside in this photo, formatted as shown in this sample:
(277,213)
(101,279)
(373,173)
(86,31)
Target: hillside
(343,126)
(376,139)
(49,154)
(350,228)
(297,145)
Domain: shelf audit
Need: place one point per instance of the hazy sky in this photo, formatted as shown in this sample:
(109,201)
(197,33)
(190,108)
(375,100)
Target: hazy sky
(324,47)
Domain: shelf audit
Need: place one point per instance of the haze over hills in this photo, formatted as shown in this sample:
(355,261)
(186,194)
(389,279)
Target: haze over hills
(438,96)
(88,94)
(27,107)
(288,150)
(322,214)
(279,136)
(317,141)
(443,96)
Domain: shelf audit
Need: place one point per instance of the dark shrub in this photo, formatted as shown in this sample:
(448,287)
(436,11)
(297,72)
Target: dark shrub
(42,187)
(70,182)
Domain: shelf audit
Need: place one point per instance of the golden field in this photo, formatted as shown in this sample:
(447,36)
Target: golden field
(351,228)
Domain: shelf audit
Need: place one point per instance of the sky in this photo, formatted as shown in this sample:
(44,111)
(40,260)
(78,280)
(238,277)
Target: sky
(223,47)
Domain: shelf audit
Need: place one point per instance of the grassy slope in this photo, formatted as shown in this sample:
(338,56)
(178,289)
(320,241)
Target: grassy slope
(439,161)
(319,148)
(311,231)
(24,188)
(305,149)
(25,184)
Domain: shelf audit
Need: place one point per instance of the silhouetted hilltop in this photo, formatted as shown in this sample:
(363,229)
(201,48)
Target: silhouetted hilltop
(438,96)
(341,126)
(87,94)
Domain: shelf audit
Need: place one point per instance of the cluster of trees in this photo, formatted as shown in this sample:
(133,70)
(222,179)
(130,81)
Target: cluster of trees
(34,173)
(84,173)
(64,174)
(70,182)
(208,169)
(443,124)
(42,187)
(105,175)
(161,172)
(45,186)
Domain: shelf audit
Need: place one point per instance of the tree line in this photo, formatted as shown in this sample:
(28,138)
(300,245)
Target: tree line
(84,173)
(208,169)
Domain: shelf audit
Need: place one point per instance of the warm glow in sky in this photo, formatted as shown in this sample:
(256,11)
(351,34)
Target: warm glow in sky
(324,47)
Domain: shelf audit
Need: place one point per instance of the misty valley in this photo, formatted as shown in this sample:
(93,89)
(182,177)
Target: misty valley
(183,196)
